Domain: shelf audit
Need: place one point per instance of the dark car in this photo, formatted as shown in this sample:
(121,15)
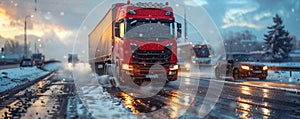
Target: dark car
(240,66)
(26,63)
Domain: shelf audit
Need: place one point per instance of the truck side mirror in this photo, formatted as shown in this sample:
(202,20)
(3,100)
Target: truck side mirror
(117,32)
(179,25)
(117,29)
(179,31)
(117,24)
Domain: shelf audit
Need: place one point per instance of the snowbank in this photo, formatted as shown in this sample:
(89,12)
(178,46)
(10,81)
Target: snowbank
(97,101)
(284,64)
(52,66)
(13,77)
(284,76)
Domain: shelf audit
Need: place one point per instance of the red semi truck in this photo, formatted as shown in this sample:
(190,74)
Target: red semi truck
(136,40)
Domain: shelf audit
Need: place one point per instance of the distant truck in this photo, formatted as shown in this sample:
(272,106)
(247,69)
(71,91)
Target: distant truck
(131,38)
(195,53)
(38,59)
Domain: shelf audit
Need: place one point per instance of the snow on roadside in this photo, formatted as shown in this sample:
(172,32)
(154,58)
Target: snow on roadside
(283,64)
(13,77)
(284,76)
(52,66)
(98,102)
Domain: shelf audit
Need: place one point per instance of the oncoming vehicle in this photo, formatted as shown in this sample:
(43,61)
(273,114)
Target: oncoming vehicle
(240,66)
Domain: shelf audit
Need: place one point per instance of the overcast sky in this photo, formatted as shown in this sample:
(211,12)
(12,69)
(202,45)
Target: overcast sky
(57,22)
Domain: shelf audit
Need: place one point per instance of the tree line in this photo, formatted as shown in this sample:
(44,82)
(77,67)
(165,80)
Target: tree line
(276,45)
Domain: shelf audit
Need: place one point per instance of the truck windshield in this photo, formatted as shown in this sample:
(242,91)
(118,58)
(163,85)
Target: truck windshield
(149,29)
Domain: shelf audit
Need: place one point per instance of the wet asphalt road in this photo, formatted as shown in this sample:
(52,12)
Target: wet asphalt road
(204,97)
(47,98)
(194,95)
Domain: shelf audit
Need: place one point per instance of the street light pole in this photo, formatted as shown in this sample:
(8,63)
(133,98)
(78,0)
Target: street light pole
(25,35)
(185,25)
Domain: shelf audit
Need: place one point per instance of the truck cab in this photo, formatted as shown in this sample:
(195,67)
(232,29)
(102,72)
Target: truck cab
(141,41)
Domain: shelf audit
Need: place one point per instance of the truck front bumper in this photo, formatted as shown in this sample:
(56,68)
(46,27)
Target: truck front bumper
(169,75)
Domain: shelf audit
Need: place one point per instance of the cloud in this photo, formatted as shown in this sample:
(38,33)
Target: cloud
(195,3)
(243,16)
(238,2)
(242,24)
(263,15)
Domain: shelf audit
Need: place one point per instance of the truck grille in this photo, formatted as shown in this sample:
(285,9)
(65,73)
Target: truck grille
(145,59)
(257,68)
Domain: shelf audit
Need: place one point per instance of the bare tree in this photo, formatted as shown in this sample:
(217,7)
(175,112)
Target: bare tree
(14,47)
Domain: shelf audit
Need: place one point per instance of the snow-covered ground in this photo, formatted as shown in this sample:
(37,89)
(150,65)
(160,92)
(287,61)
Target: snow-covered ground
(52,66)
(284,76)
(10,78)
(283,64)
(98,102)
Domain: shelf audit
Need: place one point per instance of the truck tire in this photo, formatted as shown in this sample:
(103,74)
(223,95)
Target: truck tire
(118,72)
(99,71)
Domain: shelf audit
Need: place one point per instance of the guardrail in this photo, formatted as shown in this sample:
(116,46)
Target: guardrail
(291,67)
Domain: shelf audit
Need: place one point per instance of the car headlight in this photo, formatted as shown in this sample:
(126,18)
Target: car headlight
(187,65)
(174,67)
(127,67)
(70,65)
(265,68)
(245,67)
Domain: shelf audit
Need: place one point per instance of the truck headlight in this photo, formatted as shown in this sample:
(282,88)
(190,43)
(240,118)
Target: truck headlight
(245,67)
(169,46)
(265,68)
(127,67)
(133,47)
(174,67)
(187,65)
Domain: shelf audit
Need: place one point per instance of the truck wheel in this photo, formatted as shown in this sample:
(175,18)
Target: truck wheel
(118,72)
(217,74)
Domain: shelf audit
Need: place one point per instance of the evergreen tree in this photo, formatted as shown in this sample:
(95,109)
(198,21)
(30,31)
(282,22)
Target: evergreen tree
(277,42)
